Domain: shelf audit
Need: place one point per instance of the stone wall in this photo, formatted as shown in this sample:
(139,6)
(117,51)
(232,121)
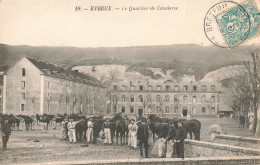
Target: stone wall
(196,149)
(171,161)
(238,141)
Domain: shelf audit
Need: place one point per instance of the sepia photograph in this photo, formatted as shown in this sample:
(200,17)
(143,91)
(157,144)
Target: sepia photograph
(130,82)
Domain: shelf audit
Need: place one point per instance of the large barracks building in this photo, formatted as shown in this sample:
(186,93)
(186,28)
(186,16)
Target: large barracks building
(32,86)
(167,99)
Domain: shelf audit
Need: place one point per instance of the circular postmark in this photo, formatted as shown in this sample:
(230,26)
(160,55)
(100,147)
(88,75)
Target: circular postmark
(227,24)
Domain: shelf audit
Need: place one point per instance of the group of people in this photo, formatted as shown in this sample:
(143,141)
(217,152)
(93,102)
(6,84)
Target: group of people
(173,135)
(138,135)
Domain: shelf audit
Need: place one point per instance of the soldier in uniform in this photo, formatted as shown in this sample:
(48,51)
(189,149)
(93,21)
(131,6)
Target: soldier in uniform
(6,131)
(181,135)
(171,136)
(72,131)
(64,129)
(142,137)
(106,129)
(90,131)
(162,143)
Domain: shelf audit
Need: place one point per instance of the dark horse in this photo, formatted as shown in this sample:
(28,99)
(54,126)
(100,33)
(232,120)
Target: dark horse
(97,127)
(191,126)
(28,121)
(154,123)
(14,122)
(81,129)
(122,130)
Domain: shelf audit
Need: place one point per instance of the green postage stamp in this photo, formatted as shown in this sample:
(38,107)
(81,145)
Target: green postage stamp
(236,23)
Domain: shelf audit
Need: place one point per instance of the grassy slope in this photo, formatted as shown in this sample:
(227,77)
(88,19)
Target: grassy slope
(184,59)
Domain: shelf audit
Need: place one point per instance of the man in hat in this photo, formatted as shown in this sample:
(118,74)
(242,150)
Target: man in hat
(72,130)
(106,129)
(64,129)
(162,143)
(142,137)
(90,130)
(132,139)
(181,135)
(171,136)
(6,131)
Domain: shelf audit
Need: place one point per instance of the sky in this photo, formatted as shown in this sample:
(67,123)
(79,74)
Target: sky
(56,23)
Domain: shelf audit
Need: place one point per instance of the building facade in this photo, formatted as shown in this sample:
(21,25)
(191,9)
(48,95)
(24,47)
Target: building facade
(31,86)
(167,99)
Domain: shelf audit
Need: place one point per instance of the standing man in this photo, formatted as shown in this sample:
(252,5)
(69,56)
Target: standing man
(142,137)
(162,142)
(64,129)
(6,132)
(106,129)
(171,136)
(90,130)
(181,135)
(71,131)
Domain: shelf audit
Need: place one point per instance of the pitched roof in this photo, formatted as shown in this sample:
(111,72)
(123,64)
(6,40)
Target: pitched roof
(59,72)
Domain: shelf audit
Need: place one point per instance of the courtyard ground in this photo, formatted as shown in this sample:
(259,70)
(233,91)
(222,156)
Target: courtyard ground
(23,147)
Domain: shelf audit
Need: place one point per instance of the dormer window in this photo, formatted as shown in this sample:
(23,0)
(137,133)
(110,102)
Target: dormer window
(213,87)
(204,88)
(185,88)
(124,88)
(141,88)
(167,88)
(150,88)
(132,88)
(176,88)
(159,88)
(194,88)
(115,88)
(23,72)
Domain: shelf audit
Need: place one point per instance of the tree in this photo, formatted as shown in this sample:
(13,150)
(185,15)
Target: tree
(246,90)
(161,102)
(60,98)
(128,102)
(33,99)
(114,102)
(254,80)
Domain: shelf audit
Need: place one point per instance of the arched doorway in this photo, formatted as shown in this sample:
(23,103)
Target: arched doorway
(185,111)
(140,111)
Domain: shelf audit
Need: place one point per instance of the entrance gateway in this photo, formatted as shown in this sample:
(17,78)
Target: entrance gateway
(185,111)
(140,111)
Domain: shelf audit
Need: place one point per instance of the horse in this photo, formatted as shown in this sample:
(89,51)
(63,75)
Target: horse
(37,118)
(97,127)
(14,122)
(191,126)
(154,123)
(81,129)
(122,129)
(28,121)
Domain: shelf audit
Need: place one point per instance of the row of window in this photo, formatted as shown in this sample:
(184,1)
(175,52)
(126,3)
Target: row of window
(167,109)
(167,88)
(159,99)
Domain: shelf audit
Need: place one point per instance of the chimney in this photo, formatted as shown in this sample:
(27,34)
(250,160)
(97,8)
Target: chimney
(47,71)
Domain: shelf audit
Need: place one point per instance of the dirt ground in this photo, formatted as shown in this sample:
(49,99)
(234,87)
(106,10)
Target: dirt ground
(22,147)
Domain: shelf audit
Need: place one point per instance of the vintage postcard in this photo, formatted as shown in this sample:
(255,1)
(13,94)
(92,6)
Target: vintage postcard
(130,82)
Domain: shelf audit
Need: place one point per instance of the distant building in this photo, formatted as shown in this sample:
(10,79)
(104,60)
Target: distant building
(168,99)
(32,86)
